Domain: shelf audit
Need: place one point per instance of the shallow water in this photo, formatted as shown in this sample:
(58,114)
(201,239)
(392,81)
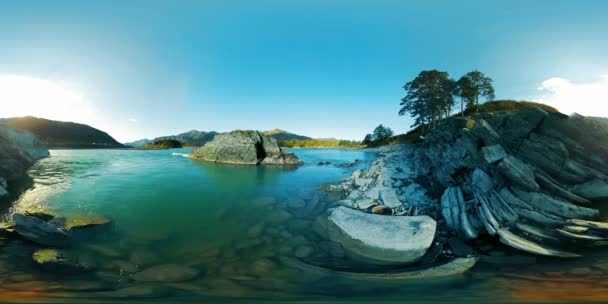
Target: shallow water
(244,233)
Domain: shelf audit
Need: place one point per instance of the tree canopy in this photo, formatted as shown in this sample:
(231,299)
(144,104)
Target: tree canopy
(381,133)
(429,97)
(473,86)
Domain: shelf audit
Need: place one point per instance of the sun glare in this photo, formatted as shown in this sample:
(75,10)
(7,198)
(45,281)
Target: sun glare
(23,95)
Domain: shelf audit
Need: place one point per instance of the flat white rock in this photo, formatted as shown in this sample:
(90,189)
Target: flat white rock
(381,239)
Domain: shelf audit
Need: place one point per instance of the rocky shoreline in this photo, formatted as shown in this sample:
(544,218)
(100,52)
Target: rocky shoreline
(529,180)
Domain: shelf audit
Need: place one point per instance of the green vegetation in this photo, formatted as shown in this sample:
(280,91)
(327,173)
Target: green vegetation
(320,143)
(192,138)
(507,106)
(59,134)
(491,107)
(281,135)
(164,144)
(380,136)
(430,96)
(473,86)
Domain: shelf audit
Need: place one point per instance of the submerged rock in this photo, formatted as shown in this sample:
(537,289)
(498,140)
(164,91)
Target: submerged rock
(56,260)
(381,239)
(245,148)
(39,231)
(166,273)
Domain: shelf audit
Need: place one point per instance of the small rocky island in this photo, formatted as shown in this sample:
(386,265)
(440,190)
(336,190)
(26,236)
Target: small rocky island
(245,148)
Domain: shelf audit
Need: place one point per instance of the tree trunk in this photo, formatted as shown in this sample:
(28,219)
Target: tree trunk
(462,107)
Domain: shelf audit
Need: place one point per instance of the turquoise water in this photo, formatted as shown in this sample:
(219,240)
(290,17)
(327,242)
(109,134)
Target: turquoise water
(243,233)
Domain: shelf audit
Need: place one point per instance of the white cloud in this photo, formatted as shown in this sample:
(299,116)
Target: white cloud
(133,120)
(589,99)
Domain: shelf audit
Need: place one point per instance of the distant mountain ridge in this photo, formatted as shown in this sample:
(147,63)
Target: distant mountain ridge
(602,119)
(59,134)
(190,138)
(281,135)
(193,137)
(199,138)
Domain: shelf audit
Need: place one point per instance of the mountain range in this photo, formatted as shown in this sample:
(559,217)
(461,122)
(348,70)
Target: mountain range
(199,138)
(59,134)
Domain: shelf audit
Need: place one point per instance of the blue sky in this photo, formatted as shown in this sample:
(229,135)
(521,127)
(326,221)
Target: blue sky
(319,68)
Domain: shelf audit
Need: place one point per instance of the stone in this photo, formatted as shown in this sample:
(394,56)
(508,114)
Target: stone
(138,291)
(57,261)
(105,250)
(347,203)
(554,206)
(245,148)
(166,273)
(84,220)
(515,241)
(143,258)
(263,266)
(39,231)
(519,173)
(365,203)
(482,130)
(493,154)
(43,214)
(482,182)
(595,189)
(451,200)
(381,209)
(255,231)
(379,239)
(296,203)
(389,198)
(123,266)
(303,252)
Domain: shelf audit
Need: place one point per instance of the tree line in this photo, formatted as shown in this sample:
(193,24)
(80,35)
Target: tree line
(432,95)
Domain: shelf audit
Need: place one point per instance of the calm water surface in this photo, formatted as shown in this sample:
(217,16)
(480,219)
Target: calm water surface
(246,232)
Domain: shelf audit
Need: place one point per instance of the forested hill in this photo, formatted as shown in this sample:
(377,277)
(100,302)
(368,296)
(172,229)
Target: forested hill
(281,135)
(190,138)
(59,134)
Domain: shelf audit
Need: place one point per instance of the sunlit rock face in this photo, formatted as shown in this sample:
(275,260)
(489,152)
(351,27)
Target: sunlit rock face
(524,177)
(18,151)
(245,148)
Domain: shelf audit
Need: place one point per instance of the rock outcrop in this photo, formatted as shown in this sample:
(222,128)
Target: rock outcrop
(526,178)
(379,239)
(531,179)
(18,151)
(245,148)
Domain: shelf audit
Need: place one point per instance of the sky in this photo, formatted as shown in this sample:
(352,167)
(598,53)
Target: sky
(331,68)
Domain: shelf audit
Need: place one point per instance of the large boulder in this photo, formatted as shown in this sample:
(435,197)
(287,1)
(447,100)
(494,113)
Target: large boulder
(380,239)
(245,148)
